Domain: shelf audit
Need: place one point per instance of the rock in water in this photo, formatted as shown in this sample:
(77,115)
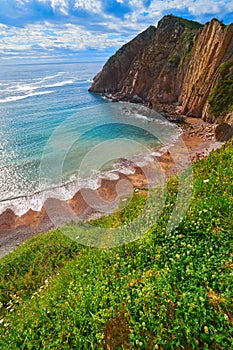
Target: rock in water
(136,99)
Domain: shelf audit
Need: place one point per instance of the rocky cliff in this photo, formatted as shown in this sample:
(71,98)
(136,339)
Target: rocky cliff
(213,47)
(114,73)
(180,62)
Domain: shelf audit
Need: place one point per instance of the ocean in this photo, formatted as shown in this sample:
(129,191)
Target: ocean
(56,137)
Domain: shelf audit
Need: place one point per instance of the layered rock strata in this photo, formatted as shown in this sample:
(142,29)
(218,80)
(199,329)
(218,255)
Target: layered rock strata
(179,62)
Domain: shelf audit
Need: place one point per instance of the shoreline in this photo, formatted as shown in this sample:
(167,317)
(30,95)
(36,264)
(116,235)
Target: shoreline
(198,139)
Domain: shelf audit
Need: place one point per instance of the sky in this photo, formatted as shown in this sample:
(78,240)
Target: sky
(77,30)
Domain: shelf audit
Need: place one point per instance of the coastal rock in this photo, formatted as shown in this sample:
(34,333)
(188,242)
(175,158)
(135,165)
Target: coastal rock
(148,66)
(136,99)
(179,62)
(223,132)
(213,46)
(114,72)
(229,118)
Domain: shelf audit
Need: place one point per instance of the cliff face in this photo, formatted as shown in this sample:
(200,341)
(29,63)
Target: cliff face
(155,75)
(180,61)
(114,72)
(213,47)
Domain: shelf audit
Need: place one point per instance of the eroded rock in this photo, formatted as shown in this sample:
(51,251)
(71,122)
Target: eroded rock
(223,132)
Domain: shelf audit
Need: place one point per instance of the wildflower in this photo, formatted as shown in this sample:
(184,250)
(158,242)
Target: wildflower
(2,320)
(206,180)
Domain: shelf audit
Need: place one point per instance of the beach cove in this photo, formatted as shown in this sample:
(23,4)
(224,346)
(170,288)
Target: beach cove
(15,229)
(48,114)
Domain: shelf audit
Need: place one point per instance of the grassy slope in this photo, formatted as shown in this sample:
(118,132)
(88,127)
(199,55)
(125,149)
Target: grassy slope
(164,291)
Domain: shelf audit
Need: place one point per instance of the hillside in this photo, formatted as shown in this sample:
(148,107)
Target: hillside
(167,290)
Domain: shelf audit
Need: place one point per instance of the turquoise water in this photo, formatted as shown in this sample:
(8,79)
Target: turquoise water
(56,137)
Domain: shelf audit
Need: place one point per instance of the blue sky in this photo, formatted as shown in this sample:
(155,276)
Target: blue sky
(48,30)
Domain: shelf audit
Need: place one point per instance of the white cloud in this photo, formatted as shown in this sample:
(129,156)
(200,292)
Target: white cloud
(104,30)
(61,4)
(211,6)
(57,5)
(197,7)
(69,36)
(89,5)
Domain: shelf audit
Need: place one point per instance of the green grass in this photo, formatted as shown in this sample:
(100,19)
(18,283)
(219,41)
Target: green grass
(166,290)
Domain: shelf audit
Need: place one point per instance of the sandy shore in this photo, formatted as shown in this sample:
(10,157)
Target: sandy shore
(196,141)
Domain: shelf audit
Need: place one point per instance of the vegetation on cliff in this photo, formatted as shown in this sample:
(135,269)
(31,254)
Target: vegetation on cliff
(163,291)
(221,97)
(184,22)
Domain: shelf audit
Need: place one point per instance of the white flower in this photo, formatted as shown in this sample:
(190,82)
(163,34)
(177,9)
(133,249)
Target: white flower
(2,320)
(206,180)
